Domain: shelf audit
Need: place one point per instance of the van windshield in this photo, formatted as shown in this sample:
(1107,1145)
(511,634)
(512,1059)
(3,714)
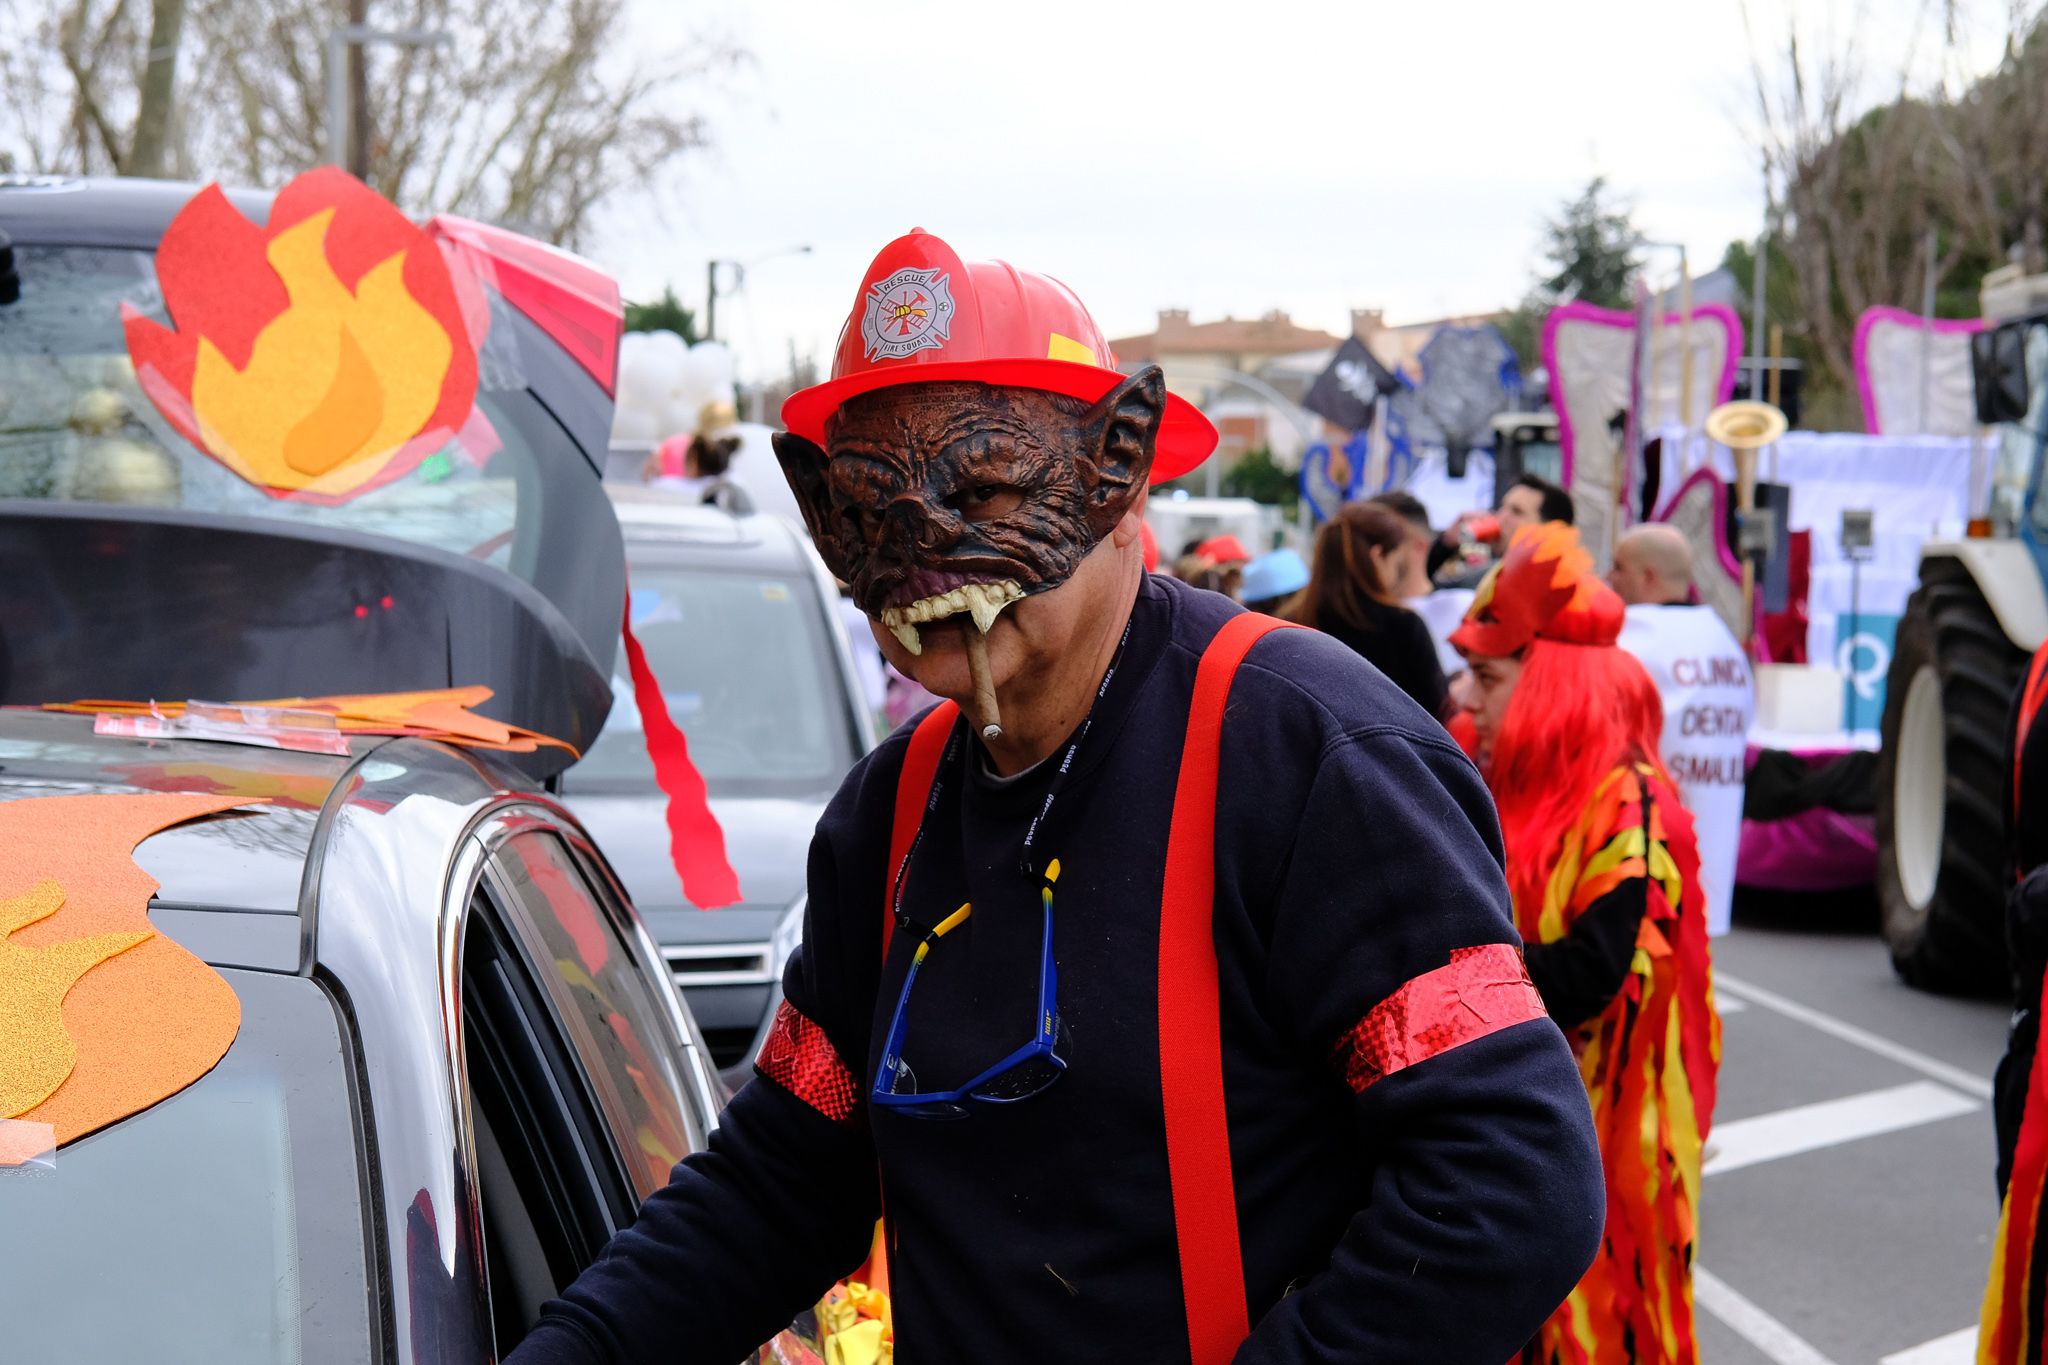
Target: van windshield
(750,677)
(223,1226)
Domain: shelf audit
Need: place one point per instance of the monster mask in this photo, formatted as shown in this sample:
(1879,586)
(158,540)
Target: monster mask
(942,498)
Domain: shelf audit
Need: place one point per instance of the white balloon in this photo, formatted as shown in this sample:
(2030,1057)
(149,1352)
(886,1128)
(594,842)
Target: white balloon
(705,377)
(634,424)
(648,365)
(677,417)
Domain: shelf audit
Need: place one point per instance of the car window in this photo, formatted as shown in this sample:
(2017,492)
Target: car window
(548,1181)
(751,676)
(223,1226)
(75,425)
(619,1027)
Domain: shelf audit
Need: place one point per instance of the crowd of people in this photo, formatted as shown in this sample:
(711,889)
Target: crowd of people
(1570,692)
(1395,589)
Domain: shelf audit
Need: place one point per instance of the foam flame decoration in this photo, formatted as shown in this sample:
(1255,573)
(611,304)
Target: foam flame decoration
(1544,586)
(318,357)
(100,1016)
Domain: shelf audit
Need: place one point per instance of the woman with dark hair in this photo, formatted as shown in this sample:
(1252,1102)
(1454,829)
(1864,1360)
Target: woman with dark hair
(697,466)
(1350,595)
(1603,873)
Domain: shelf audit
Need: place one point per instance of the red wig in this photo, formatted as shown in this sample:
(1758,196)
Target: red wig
(1578,712)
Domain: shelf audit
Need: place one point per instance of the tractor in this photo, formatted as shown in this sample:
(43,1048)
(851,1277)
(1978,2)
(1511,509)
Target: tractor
(1945,783)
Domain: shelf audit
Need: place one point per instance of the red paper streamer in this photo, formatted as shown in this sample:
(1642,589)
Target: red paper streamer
(695,841)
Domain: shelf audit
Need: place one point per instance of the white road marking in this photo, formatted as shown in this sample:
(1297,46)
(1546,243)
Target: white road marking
(1777,1341)
(1725,1005)
(1810,1127)
(1969,1082)
(1957,1348)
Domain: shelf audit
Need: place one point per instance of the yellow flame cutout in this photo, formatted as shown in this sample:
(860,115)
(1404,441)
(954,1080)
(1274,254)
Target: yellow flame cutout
(335,378)
(33,983)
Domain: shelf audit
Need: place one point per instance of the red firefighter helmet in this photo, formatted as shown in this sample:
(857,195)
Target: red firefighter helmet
(923,315)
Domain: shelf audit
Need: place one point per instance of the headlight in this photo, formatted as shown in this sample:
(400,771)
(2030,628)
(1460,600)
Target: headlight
(788,934)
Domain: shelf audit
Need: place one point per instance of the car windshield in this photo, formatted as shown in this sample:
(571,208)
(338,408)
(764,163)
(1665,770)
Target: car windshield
(750,675)
(223,1226)
(76,426)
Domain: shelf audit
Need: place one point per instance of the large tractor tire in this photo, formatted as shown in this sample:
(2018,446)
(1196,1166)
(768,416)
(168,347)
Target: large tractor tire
(1943,787)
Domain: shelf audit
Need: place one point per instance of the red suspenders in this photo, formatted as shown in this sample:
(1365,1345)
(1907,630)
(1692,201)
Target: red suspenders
(1190,1022)
(913,791)
(1190,1026)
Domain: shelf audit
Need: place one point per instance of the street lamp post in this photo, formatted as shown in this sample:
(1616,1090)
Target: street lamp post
(339,39)
(739,281)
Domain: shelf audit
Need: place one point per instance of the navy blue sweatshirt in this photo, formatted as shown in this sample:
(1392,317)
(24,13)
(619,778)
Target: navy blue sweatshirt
(1437,1212)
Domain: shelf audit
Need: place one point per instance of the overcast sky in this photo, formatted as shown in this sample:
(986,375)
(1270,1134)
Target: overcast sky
(1227,159)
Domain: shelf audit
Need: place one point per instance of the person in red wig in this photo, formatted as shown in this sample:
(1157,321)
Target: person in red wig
(1603,870)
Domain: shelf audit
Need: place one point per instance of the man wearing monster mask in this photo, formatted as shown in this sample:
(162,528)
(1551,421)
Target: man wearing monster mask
(1160,983)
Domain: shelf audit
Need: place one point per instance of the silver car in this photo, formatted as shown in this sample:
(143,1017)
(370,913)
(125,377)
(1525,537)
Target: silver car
(739,620)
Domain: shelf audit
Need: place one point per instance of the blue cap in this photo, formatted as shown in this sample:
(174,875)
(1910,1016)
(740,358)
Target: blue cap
(1274,575)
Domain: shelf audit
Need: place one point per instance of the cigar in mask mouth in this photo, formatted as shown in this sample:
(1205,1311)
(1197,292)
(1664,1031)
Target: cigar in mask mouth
(984,686)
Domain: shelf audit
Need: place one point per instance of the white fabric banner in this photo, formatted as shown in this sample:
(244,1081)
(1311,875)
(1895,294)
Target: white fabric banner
(1917,489)
(1446,498)
(1714,340)
(1897,353)
(1709,704)
(1442,611)
(1588,352)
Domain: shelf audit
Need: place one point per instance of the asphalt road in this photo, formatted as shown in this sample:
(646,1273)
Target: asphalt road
(1848,1205)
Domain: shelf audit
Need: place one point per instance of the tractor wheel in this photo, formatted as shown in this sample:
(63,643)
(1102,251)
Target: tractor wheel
(1943,787)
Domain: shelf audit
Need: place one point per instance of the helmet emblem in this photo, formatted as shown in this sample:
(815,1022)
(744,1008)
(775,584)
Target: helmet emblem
(909,311)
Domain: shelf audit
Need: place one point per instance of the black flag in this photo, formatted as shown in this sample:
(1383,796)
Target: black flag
(1344,394)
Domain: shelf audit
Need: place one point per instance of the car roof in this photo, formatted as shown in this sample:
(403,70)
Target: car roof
(670,528)
(53,210)
(251,860)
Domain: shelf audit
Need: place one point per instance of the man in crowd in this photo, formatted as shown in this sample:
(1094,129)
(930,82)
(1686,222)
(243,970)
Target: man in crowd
(1530,501)
(1266,1112)
(1709,695)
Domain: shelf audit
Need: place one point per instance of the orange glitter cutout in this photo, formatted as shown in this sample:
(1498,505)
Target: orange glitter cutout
(142,1020)
(33,984)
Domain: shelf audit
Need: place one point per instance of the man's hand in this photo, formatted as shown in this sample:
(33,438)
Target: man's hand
(1455,532)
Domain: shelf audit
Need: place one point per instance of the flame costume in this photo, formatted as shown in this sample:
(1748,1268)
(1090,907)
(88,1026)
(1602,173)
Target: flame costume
(1604,872)
(2011,1329)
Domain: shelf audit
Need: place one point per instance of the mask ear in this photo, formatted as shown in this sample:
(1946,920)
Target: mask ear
(1118,438)
(803,464)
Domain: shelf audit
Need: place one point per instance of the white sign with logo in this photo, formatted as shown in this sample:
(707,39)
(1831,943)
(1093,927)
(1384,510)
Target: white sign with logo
(1709,704)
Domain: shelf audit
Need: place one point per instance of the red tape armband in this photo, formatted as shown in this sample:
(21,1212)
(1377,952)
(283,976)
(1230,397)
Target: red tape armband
(799,1058)
(1481,991)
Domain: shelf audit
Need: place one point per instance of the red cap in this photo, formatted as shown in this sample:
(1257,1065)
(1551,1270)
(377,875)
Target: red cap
(1544,588)
(1223,550)
(923,316)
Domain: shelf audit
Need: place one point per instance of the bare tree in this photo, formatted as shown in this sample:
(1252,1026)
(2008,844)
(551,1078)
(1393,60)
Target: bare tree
(1859,184)
(529,114)
(155,105)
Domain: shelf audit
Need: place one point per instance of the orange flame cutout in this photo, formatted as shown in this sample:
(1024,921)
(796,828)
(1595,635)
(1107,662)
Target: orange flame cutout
(318,357)
(100,1016)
